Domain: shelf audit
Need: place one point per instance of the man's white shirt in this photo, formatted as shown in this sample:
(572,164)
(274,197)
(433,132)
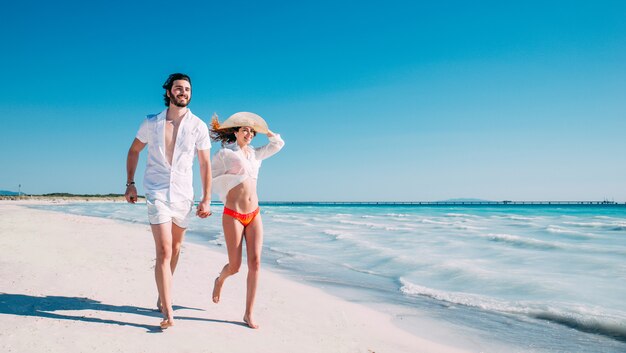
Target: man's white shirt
(162,181)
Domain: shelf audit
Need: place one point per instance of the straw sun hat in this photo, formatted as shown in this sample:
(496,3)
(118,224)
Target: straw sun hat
(246,119)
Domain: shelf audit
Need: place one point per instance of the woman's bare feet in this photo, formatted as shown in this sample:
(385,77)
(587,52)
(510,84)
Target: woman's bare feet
(217,289)
(168,318)
(166,323)
(248,320)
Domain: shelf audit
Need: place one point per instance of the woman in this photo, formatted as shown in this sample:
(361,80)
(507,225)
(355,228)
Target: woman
(235,171)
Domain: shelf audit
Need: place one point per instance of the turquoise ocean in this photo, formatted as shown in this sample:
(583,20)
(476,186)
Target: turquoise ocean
(535,278)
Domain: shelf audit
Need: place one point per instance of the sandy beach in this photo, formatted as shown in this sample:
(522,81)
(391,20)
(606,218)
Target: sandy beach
(83,284)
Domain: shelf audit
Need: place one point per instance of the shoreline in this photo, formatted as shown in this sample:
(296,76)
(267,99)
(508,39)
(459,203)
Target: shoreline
(112,306)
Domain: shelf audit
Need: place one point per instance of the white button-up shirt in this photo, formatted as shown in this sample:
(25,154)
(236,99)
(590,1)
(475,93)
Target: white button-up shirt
(230,167)
(163,181)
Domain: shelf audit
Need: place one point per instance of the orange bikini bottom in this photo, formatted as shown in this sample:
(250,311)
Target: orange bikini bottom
(243,218)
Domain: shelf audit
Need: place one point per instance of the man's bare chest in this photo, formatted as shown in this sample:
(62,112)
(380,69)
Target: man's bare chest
(171,133)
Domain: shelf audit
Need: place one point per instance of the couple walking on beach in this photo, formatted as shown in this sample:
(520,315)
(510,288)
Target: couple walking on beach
(173,137)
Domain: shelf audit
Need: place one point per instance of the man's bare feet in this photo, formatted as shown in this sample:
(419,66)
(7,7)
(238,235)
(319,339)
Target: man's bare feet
(248,320)
(217,289)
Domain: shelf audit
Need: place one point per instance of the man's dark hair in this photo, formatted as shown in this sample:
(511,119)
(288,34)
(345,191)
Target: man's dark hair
(170,81)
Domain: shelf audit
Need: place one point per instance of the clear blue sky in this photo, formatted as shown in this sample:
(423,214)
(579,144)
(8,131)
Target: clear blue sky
(376,100)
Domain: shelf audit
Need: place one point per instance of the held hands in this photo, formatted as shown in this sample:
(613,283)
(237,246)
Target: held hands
(131,194)
(270,133)
(204,209)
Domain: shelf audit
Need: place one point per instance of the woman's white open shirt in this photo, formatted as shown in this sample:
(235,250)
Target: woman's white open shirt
(230,167)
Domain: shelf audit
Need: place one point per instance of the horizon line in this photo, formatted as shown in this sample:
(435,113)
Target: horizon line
(426,203)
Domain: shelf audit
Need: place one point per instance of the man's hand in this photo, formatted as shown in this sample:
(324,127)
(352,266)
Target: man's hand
(204,209)
(131,194)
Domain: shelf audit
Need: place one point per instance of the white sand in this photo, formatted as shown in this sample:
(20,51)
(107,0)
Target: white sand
(83,284)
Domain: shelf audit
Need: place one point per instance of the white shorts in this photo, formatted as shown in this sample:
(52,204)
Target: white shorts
(162,212)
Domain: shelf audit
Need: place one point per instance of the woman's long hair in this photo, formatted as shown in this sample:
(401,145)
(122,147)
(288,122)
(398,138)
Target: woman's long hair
(225,136)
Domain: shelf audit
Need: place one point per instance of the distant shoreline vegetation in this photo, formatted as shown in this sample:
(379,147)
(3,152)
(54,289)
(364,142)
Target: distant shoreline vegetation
(63,196)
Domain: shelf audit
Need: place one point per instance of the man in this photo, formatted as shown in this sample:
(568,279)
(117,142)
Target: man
(172,136)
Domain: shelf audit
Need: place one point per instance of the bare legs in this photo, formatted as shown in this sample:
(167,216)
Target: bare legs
(168,238)
(254,243)
(178,234)
(234,233)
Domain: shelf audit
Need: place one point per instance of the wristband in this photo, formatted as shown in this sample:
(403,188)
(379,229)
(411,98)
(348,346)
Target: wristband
(130,183)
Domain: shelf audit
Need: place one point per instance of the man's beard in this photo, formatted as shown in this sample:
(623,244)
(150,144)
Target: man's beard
(179,102)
